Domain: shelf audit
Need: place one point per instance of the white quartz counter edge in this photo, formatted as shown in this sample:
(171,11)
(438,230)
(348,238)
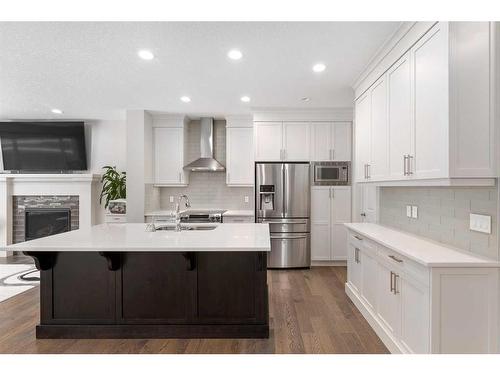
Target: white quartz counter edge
(238,213)
(133,237)
(418,249)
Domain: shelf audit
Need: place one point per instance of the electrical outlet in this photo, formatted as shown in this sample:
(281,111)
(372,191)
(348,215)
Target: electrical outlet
(480,223)
(408,211)
(171,198)
(246,199)
(414,212)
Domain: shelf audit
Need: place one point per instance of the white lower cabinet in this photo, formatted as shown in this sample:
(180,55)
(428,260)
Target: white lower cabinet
(394,294)
(389,300)
(354,267)
(330,209)
(414,315)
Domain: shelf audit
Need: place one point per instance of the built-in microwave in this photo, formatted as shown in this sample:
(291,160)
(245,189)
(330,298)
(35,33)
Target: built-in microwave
(331,173)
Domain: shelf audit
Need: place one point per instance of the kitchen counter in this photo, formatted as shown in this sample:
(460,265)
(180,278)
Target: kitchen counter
(238,213)
(119,281)
(418,249)
(133,237)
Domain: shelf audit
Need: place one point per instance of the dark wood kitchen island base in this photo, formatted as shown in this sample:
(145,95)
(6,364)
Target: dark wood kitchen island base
(212,294)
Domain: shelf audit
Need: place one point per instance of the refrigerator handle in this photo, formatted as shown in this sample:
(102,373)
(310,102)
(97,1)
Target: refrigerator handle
(285,172)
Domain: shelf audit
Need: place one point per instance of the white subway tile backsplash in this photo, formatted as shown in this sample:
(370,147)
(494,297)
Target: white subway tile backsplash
(443,214)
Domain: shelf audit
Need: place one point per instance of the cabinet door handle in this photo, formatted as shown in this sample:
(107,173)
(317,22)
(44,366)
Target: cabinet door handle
(180,177)
(357,237)
(396,276)
(368,172)
(410,172)
(405,171)
(395,259)
(356,255)
(392,282)
(333,153)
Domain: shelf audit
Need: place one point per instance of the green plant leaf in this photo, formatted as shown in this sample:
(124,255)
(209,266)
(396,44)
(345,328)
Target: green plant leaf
(114,185)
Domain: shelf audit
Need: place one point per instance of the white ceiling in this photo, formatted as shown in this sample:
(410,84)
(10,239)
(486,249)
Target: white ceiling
(92,71)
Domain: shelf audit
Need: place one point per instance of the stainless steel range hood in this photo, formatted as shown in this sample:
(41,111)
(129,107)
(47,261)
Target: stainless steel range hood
(206,161)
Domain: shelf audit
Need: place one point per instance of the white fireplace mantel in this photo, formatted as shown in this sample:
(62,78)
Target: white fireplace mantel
(83,185)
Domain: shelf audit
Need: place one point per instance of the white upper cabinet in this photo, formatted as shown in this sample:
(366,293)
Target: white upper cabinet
(429,115)
(378,164)
(282,141)
(239,156)
(169,157)
(331,141)
(296,141)
(322,141)
(342,141)
(362,137)
(399,81)
(430,62)
(268,141)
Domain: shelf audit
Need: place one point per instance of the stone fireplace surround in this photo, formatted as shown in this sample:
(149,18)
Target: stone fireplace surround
(22,202)
(61,190)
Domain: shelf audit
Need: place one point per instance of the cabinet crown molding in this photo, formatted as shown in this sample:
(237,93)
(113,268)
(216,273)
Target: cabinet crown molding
(306,115)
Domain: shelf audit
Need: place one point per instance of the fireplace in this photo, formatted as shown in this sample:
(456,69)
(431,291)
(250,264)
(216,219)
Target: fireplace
(43,222)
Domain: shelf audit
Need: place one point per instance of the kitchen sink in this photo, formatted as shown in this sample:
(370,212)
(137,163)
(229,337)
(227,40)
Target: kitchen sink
(188,227)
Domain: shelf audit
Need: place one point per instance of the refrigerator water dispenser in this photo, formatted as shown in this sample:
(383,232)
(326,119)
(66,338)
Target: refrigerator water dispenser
(266,193)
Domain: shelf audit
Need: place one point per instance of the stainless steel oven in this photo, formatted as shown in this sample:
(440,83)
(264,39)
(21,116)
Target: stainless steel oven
(331,173)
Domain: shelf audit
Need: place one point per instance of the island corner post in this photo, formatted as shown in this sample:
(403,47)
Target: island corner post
(152,294)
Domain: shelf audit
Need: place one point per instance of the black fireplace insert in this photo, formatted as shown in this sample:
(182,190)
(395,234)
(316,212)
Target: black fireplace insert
(43,222)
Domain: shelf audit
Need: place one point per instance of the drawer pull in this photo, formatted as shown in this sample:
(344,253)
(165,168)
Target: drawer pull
(358,238)
(395,259)
(392,282)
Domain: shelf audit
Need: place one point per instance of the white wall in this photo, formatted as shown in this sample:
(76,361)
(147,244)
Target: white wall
(107,146)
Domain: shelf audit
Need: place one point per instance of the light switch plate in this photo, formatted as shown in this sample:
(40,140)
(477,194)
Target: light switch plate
(414,212)
(480,223)
(171,199)
(408,211)
(246,199)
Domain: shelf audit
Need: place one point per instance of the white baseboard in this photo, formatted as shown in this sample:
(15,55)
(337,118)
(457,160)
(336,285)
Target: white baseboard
(379,329)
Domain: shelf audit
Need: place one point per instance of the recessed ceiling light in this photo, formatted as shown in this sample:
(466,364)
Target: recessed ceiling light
(145,54)
(245,99)
(319,67)
(305,99)
(185,99)
(57,111)
(235,54)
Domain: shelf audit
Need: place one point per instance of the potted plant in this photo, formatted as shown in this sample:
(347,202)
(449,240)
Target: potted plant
(114,190)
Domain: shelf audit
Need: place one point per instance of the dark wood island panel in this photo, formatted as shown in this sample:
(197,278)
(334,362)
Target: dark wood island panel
(153,295)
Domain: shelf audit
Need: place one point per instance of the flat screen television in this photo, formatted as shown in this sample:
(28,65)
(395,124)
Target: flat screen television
(43,146)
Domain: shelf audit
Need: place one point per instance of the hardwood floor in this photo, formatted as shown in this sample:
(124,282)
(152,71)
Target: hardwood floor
(309,313)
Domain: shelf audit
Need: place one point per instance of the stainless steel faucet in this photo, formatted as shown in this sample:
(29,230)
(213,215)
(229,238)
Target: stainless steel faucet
(177,210)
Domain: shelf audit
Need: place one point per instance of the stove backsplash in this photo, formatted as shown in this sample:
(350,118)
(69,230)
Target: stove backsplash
(208,190)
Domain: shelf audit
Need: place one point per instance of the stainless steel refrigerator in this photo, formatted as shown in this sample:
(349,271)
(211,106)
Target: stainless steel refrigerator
(282,199)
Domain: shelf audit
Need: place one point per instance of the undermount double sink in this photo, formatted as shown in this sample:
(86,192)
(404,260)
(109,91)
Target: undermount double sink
(187,227)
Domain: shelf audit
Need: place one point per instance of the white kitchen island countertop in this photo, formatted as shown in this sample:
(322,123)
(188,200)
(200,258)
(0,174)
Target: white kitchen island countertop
(133,237)
(426,252)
